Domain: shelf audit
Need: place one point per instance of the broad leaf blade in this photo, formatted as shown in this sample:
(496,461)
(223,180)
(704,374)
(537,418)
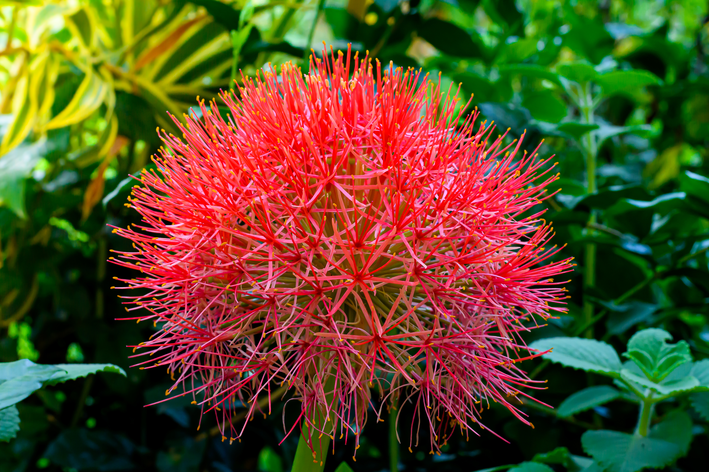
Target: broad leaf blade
(586,399)
(75,371)
(585,354)
(9,423)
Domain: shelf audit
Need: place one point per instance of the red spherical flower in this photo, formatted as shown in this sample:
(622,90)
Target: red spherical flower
(337,235)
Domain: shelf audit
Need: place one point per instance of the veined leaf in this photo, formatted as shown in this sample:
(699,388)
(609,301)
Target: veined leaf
(657,359)
(77,371)
(91,93)
(621,452)
(585,354)
(9,423)
(19,379)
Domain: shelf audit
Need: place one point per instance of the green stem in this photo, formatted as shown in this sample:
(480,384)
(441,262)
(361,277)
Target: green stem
(313,460)
(590,152)
(393,442)
(646,409)
(306,460)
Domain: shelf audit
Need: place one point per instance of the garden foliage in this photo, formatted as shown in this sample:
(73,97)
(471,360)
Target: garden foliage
(618,90)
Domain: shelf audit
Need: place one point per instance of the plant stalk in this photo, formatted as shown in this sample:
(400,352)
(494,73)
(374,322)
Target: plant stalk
(590,151)
(646,409)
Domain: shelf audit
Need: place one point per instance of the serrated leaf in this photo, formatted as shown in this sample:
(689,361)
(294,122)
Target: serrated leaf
(700,371)
(531,467)
(657,359)
(626,81)
(9,423)
(585,354)
(622,452)
(675,427)
(19,379)
(586,399)
(75,371)
(671,388)
(700,403)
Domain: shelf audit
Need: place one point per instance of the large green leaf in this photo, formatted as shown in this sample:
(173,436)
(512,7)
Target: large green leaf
(531,467)
(586,399)
(450,39)
(545,106)
(657,359)
(15,167)
(585,354)
(621,452)
(580,72)
(9,423)
(76,371)
(19,379)
(626,81)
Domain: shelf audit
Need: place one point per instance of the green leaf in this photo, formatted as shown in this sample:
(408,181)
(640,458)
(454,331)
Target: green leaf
(626,81)
(575,129)
(580,72)
(621,452)
(608,131)
(586,399)
(20,378)
(700,403)
(695,185)
(89,96)
(343,467)
(15,167)
(532,467)
(450,39)
(75,371)
(561,455)
(657,359)
(675,427)
(534,71)
(9,423)
(545,106)
(269,461)
(585,354)
(700,371)
(674,387)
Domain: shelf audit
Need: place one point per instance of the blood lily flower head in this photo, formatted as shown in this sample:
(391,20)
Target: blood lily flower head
(344,237)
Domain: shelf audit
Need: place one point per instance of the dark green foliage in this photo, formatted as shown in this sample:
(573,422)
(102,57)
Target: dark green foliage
(619,91)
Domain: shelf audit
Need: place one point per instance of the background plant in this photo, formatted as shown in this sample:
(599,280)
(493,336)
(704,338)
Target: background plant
(620,90)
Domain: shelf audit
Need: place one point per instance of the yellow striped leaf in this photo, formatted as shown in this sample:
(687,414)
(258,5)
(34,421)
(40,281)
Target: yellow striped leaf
(88,98)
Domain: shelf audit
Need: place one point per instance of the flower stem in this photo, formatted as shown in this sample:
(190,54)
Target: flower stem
(306,460)
(590,151)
